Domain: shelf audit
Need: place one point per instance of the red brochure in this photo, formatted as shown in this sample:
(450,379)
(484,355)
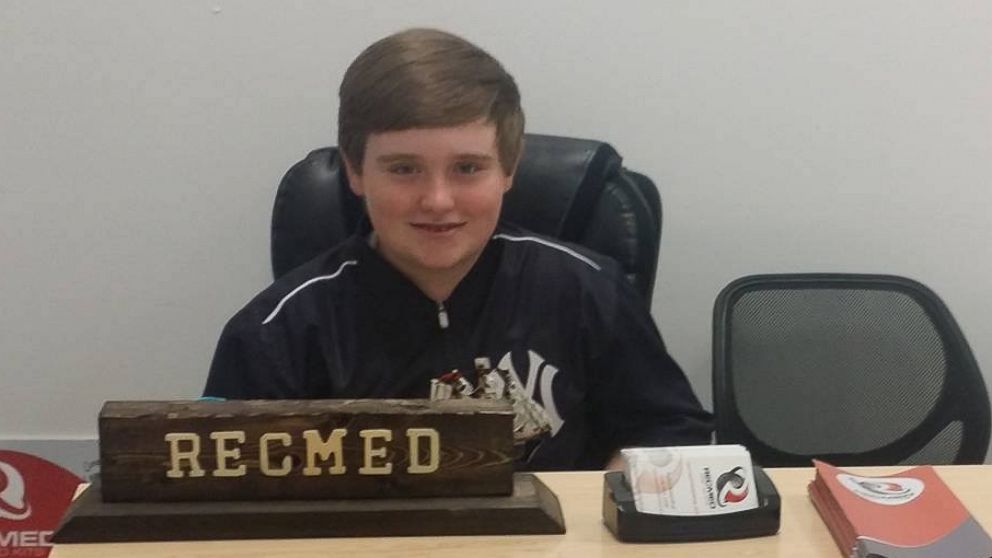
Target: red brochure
(911,514)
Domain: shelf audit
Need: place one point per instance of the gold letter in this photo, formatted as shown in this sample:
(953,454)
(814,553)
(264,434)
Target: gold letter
(192,455)
(369,435)
(414,435)
(317,445)
(223,454)
(263,454)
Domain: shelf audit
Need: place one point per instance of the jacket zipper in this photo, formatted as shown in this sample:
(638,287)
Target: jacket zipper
(442,316)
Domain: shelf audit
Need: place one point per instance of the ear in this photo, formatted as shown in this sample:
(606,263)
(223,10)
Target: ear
(516,165)
(509,183)
(354,178)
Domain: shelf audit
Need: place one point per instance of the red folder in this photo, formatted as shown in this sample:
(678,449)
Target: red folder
(908,514)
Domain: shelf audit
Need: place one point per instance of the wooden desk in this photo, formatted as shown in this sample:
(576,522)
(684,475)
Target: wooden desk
(803,534)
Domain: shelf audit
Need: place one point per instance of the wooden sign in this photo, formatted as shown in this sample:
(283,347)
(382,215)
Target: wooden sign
(157,451)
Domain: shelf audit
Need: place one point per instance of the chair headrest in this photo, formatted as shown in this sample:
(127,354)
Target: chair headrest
(557,184)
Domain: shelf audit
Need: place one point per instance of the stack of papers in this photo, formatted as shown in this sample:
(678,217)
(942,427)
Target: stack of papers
(690,480)
(912,514)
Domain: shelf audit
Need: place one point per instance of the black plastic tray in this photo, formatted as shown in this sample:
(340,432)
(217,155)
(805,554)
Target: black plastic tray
(630,525)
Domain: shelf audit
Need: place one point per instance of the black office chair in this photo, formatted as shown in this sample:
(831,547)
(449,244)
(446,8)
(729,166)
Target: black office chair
(852,369)
(572,189)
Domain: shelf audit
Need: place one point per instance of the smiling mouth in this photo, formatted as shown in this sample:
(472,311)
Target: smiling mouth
(437,227)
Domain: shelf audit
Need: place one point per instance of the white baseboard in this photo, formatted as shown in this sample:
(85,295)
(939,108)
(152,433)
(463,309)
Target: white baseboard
(79,455)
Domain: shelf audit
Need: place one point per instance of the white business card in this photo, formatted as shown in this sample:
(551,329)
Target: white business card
(691,480)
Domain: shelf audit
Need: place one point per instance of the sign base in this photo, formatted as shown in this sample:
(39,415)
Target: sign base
(531,509)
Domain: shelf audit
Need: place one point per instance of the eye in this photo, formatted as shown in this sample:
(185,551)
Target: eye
(467,168)
(402,169)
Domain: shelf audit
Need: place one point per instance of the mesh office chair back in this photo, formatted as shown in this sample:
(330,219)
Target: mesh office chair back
(575,190)
(853,369)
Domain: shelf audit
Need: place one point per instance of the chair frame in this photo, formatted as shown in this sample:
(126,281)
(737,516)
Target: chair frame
(730,428)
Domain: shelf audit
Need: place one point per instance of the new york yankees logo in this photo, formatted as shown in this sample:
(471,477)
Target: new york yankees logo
(540,375)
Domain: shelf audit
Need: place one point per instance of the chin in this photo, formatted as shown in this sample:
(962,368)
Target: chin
(440,258)
(435,263)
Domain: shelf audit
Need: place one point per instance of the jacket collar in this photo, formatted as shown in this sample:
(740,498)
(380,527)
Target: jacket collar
(395,300)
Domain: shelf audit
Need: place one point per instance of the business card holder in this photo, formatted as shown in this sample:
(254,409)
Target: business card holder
(629,525)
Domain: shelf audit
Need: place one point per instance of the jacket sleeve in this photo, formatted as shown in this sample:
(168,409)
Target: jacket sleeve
(640,396)
(254,361)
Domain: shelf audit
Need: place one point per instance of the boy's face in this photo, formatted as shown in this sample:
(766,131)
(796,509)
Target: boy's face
(433,195)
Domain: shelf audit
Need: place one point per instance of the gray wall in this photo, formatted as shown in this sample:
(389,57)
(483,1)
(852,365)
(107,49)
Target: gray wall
(141,143)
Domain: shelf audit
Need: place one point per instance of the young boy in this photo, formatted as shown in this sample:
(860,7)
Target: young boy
(430,130)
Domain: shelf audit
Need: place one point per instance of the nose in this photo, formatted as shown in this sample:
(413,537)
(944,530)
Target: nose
(438,195)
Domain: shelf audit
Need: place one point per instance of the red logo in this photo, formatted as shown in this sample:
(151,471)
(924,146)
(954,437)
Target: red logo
(732,487)
(12,504)
(34,493)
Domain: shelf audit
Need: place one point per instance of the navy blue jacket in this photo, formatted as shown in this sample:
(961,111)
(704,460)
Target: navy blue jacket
(565,321)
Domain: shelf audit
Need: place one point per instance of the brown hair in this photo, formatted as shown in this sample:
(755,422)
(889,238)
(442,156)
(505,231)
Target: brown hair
(422,78)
